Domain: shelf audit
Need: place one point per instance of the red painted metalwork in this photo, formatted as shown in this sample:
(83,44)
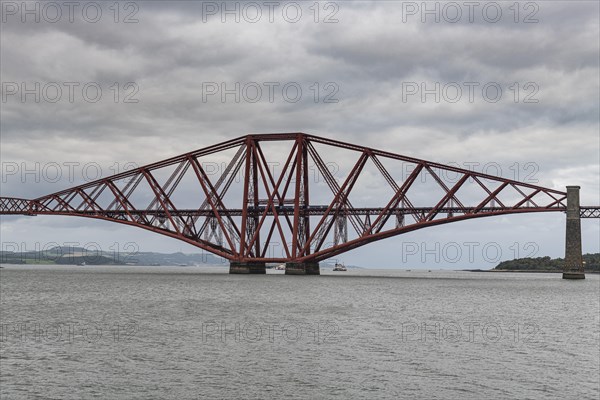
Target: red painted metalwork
(284,217)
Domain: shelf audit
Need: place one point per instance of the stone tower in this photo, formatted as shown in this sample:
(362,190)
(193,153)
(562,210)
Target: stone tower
(573,268)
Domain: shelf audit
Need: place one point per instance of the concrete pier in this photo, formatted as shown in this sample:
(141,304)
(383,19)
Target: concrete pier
(251,267)
(302,268)
(573,268)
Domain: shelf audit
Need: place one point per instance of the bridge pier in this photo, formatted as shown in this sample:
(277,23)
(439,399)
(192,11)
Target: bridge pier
(247,267)
(302,268)
(573,268)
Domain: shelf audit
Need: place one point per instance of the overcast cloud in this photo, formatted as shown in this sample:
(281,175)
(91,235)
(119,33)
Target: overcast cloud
(368,58)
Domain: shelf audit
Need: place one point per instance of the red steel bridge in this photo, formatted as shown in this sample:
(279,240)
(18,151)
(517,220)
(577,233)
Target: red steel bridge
(299,199)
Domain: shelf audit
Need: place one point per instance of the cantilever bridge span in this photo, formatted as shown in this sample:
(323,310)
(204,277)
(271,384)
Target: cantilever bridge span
(299,199)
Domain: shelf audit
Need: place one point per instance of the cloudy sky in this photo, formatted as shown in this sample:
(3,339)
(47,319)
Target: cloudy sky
(93,88)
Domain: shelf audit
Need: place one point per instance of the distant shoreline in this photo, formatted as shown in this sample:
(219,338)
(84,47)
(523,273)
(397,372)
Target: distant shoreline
(545,271)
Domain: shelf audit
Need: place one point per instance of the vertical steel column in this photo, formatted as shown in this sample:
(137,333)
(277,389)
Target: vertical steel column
(298,201)
(249,217)
(243,234)
(305,218)
(254,198)
(250,205)
(301,227)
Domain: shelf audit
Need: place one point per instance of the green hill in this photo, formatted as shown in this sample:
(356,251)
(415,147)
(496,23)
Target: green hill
(77,255)
(592,264)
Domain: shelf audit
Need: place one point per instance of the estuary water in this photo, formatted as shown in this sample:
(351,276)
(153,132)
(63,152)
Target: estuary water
(196,332)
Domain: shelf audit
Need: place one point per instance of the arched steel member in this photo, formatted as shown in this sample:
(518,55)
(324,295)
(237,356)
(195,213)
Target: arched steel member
(249,220)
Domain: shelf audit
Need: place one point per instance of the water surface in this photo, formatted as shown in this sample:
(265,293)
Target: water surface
(196,332)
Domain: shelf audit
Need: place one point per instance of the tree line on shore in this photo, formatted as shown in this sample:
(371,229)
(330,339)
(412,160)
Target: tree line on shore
(592,263)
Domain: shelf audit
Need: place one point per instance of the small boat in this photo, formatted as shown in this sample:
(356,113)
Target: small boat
(340,267)
(280,267)
(82,264)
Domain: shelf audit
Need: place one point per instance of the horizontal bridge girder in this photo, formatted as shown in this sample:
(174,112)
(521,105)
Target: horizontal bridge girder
(310,211)
(589,212)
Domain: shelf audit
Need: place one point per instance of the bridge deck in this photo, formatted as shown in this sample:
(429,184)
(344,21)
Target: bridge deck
(24,209)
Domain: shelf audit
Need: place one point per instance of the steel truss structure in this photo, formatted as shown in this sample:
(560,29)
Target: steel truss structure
(301,211)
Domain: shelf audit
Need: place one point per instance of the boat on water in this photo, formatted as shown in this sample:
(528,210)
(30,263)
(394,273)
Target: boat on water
(280,267)
(339,267)
(82,264)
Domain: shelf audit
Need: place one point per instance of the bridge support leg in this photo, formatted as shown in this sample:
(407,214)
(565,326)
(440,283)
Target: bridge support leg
(573,268)
(302,268)
(249,267)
